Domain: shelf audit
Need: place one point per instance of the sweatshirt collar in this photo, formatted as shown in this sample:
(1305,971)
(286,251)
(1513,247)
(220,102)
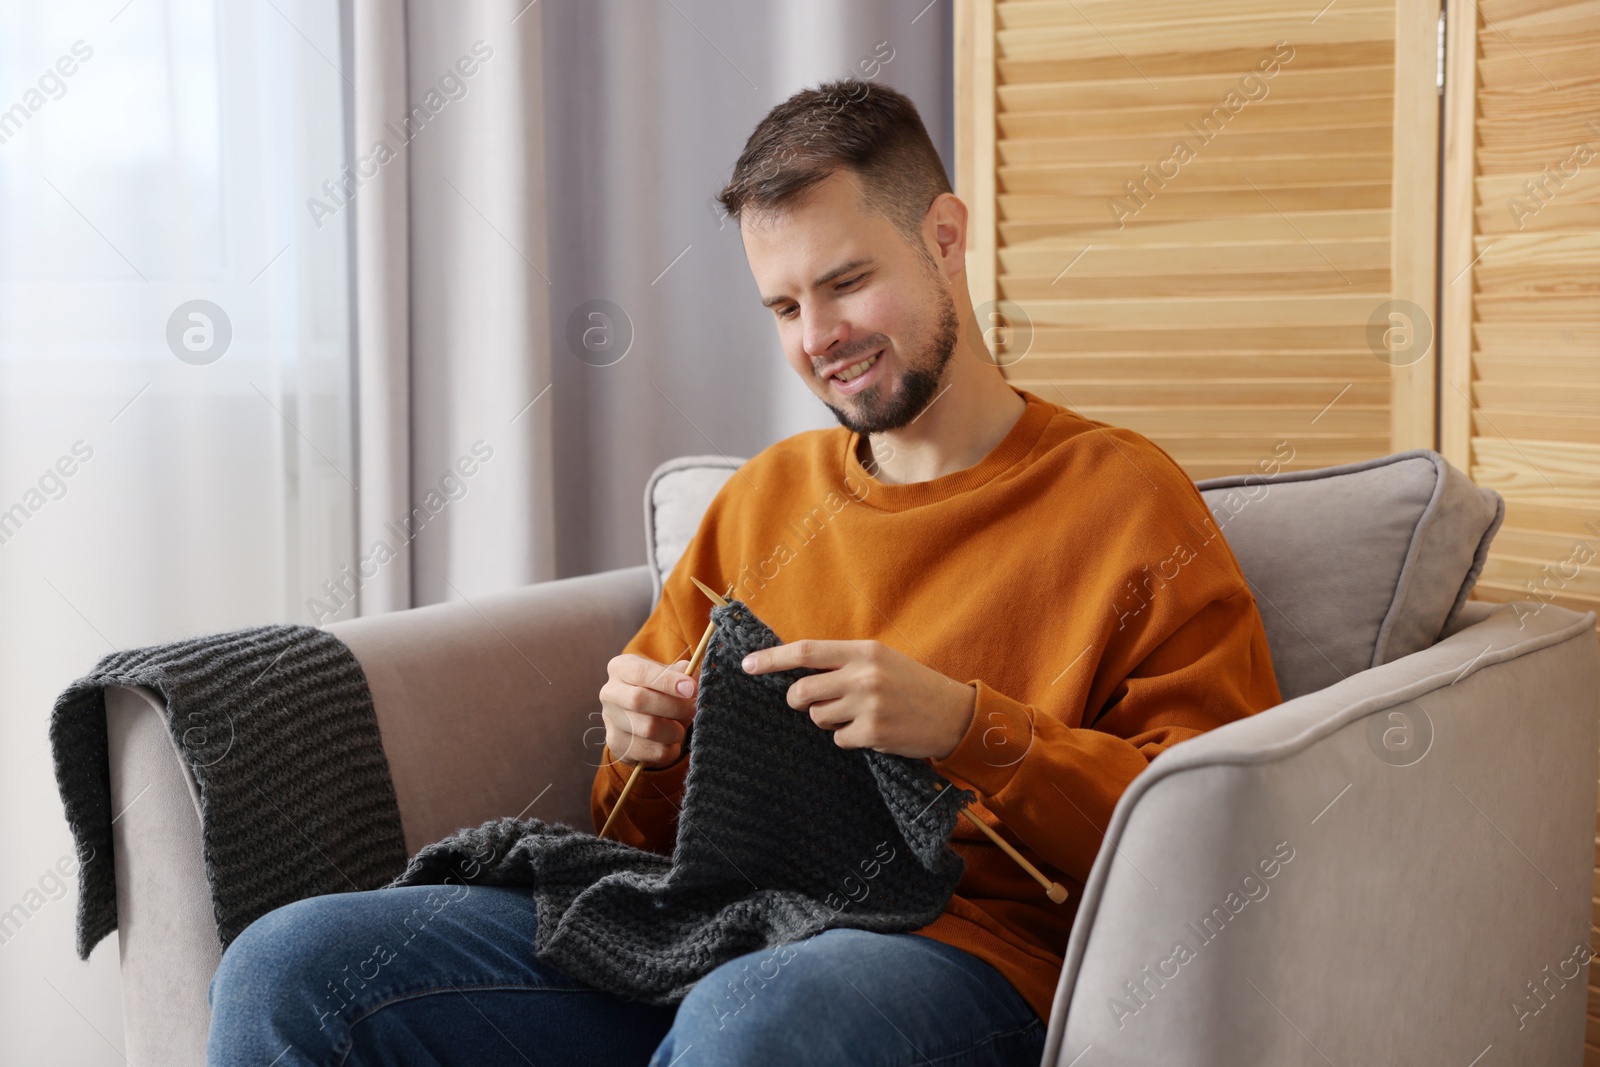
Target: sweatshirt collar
(1012,449)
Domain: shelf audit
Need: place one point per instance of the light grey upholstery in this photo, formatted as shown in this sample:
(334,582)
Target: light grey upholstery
(1435,871)
(1356,565)
(677,494)
(166,936)
(1428,883)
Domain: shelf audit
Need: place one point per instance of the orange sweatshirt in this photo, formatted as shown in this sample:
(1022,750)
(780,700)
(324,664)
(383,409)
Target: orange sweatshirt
(1074,576)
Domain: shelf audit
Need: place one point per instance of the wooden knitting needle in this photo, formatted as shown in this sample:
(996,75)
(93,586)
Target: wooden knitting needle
(694,666)
(1054,890)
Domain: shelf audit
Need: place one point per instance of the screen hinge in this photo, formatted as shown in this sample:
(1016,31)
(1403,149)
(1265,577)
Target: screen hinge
(1438,78)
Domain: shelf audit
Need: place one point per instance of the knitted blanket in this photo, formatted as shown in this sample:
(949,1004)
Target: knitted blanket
(277,726)
(781,835)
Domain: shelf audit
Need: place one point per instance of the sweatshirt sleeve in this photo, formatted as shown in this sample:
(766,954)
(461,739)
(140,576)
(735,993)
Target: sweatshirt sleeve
(649,820)
(1053,785)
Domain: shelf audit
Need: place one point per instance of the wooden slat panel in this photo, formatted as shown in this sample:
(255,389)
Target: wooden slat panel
(1266,114)
(1232,143)
(1310,55)
(1064,213)
(1244,257)
(1130,90)
(1125,38)
(1024,14)
(1214,298)
(1289,368)
(1264,341)
(1080,178)
(1524,395)
(1520,407)
(1219,396)
(1354,420)
(1243,283)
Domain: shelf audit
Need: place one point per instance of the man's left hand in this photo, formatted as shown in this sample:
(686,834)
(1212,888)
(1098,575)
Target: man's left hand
(872,696)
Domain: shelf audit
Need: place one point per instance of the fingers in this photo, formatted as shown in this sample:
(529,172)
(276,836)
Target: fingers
(809,653)
(644,685)
(645,706)
(650,753)
(645,727)
(634,737)
(663,678)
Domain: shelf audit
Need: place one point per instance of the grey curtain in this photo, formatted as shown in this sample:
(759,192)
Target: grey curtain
(542,270)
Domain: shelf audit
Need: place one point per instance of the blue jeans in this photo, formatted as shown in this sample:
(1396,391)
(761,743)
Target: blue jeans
(447,975)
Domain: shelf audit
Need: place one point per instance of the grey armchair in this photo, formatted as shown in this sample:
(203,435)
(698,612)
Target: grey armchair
(1394,865)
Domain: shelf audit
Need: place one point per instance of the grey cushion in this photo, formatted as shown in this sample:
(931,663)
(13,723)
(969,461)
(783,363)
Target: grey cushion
(1356,565)
(1352,566)
(675,497)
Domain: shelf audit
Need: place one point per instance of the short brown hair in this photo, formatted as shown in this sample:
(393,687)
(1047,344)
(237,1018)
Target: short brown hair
(870,129)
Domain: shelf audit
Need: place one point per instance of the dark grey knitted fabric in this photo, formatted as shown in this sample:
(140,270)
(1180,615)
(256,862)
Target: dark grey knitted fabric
(782,835)
(276,723)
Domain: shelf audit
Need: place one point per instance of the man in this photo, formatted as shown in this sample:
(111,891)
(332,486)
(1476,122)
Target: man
(1036,603)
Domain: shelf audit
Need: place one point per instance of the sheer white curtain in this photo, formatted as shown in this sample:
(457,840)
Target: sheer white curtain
(152,155)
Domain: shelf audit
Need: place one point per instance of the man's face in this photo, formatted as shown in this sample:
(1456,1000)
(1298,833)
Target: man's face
(846,290)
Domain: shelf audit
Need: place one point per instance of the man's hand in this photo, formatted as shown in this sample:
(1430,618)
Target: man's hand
(646,707)
(871,696)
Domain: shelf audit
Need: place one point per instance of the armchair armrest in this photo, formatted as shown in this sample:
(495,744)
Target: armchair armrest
(166,929)
(481,706)
(1388,869)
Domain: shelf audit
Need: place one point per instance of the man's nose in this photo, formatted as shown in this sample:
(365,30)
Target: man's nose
(821,333)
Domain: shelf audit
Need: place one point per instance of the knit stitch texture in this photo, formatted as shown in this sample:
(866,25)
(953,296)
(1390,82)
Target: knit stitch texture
(276,724)
(782,835)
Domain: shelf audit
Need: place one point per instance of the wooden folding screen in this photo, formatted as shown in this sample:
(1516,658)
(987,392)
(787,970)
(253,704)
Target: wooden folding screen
(1183,211)
(1520,297)
(1520,398)
(1217,222)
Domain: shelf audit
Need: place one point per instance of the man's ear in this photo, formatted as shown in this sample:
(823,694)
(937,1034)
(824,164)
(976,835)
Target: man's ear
(945,229)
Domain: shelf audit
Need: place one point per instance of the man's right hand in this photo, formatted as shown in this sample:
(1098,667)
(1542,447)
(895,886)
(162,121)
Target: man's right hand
(646,706)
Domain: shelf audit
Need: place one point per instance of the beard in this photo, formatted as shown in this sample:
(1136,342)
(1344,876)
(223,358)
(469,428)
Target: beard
(874,412)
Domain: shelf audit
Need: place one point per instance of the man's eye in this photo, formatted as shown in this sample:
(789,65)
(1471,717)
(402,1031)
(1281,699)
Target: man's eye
(787,313)
(852,281)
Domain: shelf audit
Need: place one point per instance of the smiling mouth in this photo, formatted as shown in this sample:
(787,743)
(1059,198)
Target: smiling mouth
(856,370)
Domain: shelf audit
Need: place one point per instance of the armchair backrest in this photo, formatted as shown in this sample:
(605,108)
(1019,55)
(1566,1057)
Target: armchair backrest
(1352,566)
(1357,565)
